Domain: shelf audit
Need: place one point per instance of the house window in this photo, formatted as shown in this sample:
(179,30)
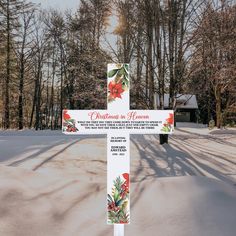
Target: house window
(182,116)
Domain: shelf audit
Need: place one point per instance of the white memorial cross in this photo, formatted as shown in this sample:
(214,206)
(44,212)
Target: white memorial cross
(118,122)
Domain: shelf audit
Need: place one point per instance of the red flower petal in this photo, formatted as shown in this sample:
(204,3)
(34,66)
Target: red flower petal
(111,85)
(126,177)
(170,119)
(115,89)
(118,86)
(65,115)
(120,90)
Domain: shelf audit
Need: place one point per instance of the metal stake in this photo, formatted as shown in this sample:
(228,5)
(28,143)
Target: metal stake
(118,230)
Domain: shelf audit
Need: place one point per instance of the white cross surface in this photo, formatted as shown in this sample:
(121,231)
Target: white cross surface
(118,122)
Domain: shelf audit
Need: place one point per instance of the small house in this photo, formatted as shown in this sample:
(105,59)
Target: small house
(186,107)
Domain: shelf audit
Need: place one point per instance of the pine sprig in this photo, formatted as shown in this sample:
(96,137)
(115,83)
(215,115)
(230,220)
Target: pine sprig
(118,203)
(69,126)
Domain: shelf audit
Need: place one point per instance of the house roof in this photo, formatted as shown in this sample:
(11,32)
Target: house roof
(184,101)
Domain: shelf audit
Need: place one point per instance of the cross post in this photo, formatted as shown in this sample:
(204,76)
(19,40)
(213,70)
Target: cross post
(118,122)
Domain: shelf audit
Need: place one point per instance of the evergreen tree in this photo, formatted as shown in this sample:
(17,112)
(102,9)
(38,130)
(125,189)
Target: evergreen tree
(10,11)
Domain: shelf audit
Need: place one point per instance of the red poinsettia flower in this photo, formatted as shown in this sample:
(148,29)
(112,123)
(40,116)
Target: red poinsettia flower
(115,89)
(65,115)
(170,119)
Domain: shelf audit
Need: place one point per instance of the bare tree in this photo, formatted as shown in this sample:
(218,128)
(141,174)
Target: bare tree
(24,53)
(215,55)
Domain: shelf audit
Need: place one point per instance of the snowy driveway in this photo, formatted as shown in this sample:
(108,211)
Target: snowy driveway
(51,184)
(188,153)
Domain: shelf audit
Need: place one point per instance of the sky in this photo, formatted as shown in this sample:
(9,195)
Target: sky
(59,4)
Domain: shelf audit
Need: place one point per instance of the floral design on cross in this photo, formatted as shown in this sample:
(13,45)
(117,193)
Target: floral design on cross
(115,90)
(119,83)
(168,125)
(68,124)
(119,200)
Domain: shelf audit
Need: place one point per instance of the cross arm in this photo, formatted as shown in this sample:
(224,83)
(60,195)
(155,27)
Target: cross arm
(130,121)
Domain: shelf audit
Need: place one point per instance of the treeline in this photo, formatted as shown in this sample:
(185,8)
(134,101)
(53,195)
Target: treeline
(181,47)
(51,60)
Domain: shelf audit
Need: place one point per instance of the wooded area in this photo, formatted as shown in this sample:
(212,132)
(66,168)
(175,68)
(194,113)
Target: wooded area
(51,60)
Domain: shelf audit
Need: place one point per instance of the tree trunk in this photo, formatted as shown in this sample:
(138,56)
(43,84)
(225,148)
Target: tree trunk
(61,95)
(150,72)
(218,108)
(21,90)
(47,108)
(38,96)
(52,100)
(52,86)
(138,82)
(172,31)
(20,103)
(71,91)
(34,103)
(7,107)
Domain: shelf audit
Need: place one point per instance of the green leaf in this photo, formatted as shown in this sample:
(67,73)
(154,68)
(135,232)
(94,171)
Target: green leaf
(120,202)
(121,72)
(126,81)
(125,85)
(112,73)
(166,129)
(117,183)
(126,78)
(126,67)
(109,198)
(116,196)
(124,205)
(70,122)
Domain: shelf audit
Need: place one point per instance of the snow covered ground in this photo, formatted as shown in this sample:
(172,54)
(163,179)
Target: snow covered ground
(52,184)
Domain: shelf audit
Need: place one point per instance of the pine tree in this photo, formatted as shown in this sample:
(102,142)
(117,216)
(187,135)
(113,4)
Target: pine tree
(10,11)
